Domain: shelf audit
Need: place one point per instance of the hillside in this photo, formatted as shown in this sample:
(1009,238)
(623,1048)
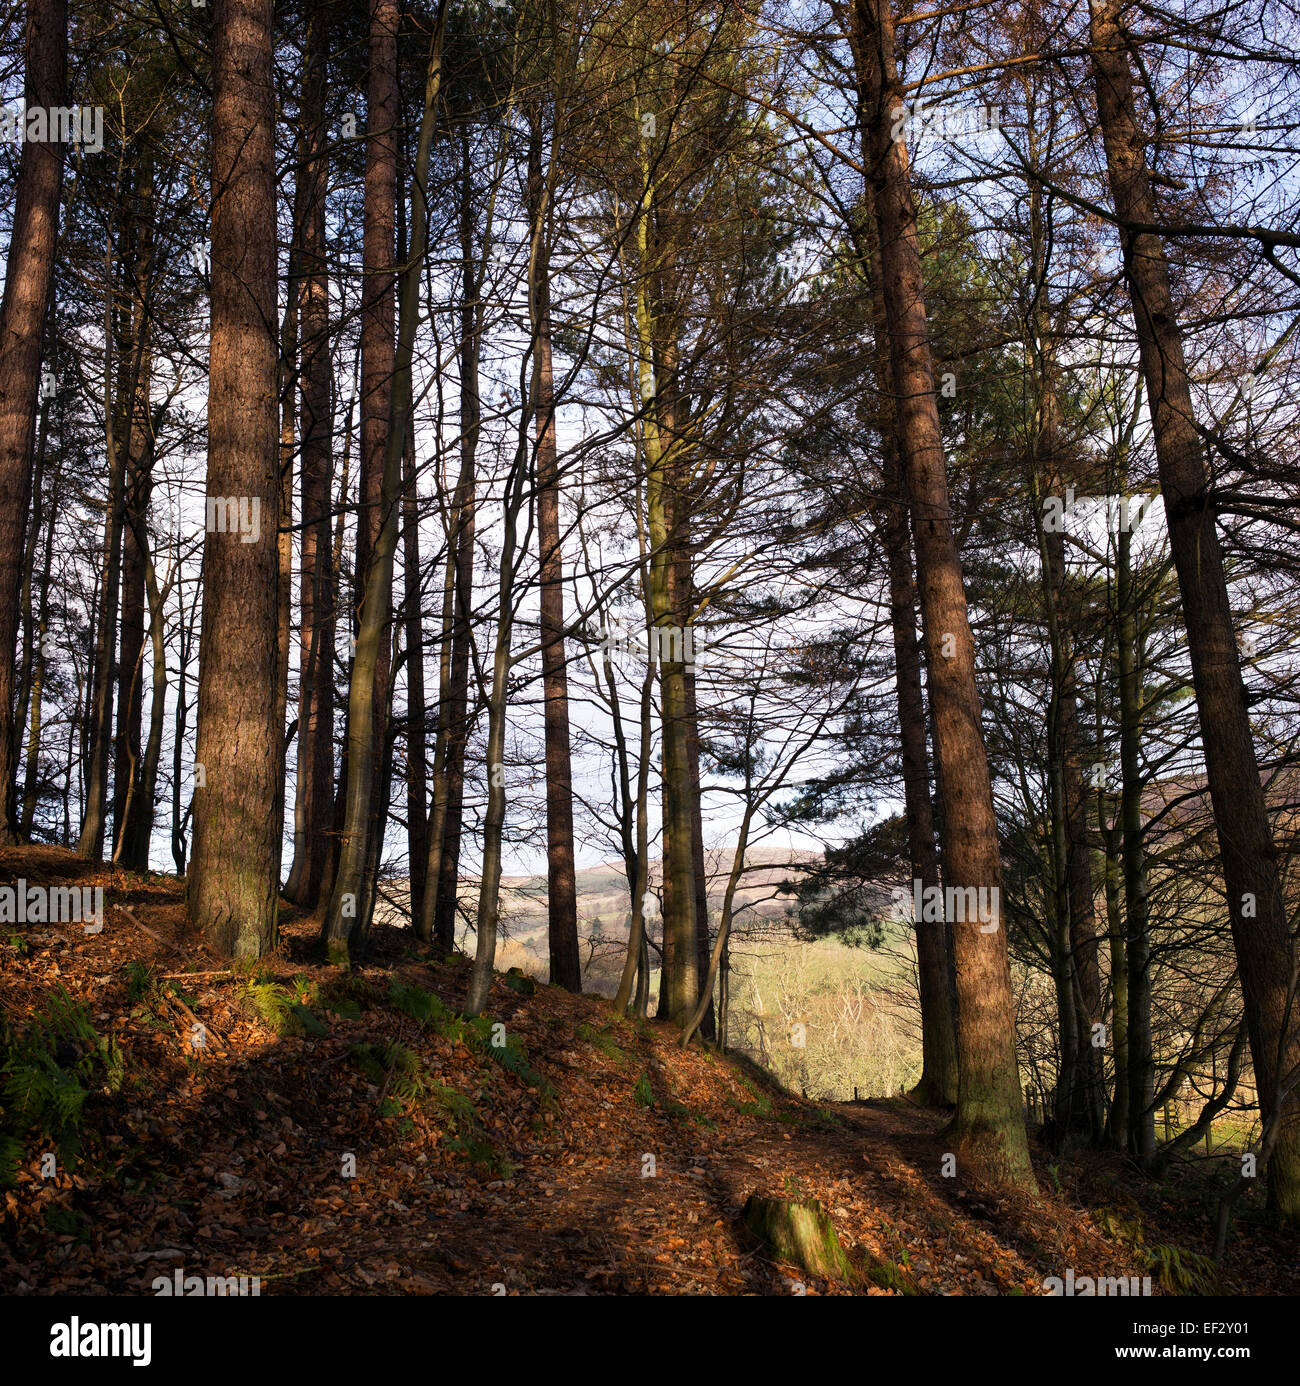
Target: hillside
(603,918)
(219,1116)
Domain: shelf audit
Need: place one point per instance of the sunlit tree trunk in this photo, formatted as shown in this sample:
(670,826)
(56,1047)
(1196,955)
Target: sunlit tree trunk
(938,1082)
(989,1124)
(681,968)
(234,872)
(417,776)
(348,916)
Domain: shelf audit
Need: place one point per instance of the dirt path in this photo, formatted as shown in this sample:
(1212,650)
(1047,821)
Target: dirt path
(394,1149)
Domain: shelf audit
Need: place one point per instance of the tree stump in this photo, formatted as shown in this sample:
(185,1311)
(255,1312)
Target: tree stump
(798,1230)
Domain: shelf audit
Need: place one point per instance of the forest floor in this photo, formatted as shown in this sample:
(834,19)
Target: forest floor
(348,1133)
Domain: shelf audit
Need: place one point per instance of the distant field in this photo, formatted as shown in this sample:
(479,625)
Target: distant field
(856,1006)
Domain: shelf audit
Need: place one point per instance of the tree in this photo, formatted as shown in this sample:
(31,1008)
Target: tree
(561,896)
(314,801)
(989,1122)
(28,275)
(347,918)
(232,892)
(1260,929)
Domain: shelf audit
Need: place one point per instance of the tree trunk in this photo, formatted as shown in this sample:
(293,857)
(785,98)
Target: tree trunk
(118,418)
(489,898)
(562,890)
(1260,931)
(424,921)
(234,873)
(703,942)
(656,364)
(1078,1097)
(798,1231)
(417,774)
(634,829)
(28,275)
(347,918)
(445,827)
(938,1082)
(1118,1122)
(180,819)
(140,817)
(314,798)
(989,1124)
(31,776)
(132,816)
(1137,947)
(31,670)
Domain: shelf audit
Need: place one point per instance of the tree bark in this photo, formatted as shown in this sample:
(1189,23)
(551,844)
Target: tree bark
(23,310)
(1260,931)
(119,407)
(703,942)
(314,800)
(132,816)
(32,771)
(938,1082)
(562,890)
(378,327)
(656,368)
(1137,943)
(1079,1107)
(989,1124)
(1117,1124)
(449,781)
(417,774)
(346,924)
(234,873)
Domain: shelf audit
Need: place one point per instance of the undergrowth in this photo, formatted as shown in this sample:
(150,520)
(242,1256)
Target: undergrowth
(47,1073)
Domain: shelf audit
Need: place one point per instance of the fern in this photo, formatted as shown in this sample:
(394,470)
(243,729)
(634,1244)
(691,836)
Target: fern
(47,1076)
(141,984)
(603,1040)
(1184,1272)
(11,1158)
(279,1008)
(401,1074)
(422,1006)
(394,1067)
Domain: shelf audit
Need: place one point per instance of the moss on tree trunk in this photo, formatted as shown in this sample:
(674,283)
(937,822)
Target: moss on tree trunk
(798,1230)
